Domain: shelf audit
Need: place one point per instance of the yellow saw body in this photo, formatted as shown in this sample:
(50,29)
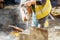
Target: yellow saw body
(43,10)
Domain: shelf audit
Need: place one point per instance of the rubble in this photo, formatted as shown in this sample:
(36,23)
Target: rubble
(55,11)
(54,33)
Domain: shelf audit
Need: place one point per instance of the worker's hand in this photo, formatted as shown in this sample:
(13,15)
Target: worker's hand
(29,3)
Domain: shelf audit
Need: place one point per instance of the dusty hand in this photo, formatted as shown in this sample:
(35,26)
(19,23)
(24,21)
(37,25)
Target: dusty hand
(29,3)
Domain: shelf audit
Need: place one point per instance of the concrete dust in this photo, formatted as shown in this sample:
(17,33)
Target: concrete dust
(35,34)
(5,36)
(54,33)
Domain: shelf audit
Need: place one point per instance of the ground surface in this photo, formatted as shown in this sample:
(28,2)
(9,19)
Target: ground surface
(5,17)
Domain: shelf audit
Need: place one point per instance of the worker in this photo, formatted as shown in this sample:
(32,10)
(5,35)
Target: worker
(39,6)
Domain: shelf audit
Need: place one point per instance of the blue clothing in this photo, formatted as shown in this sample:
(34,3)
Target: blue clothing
(34,20)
